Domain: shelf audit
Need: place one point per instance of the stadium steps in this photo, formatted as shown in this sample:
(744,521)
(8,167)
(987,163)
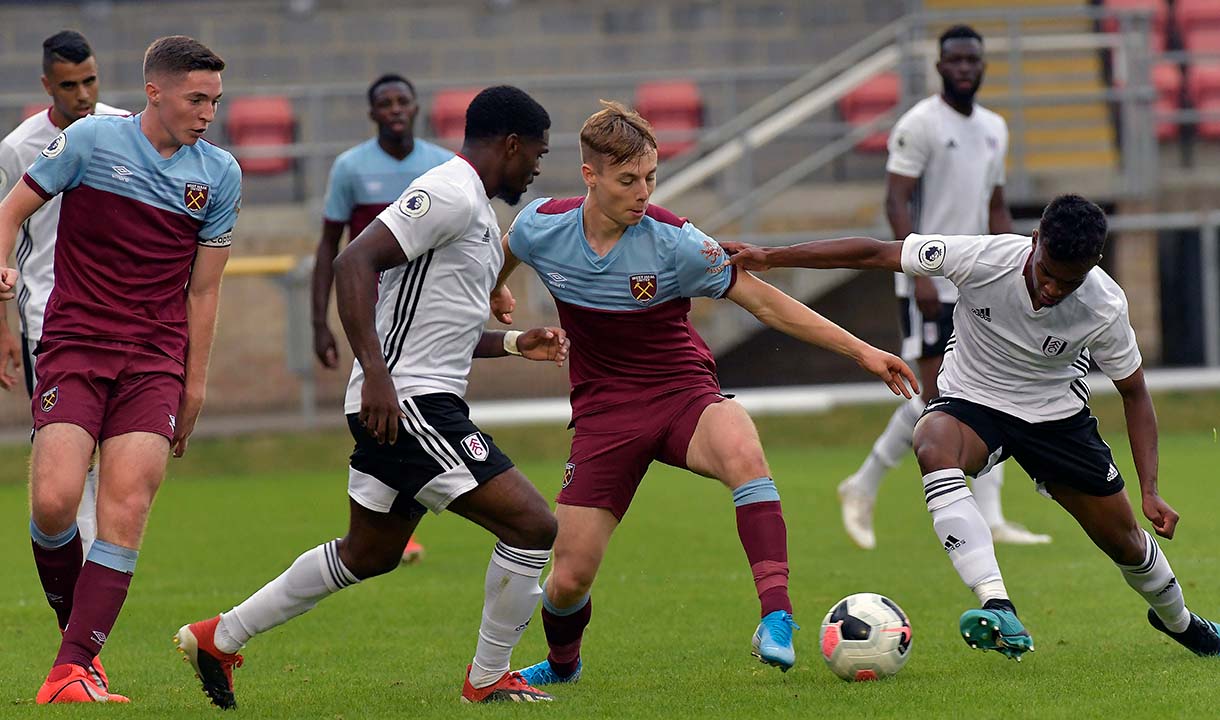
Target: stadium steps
(1077,137)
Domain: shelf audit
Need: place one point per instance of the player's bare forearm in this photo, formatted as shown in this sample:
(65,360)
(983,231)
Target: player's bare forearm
(899,192)
(999,219)
(490,345)
(779,311)
(323,270)
(1141,429)
(858,253)
(202,304)
(356,269)
(16,207)
(510,263)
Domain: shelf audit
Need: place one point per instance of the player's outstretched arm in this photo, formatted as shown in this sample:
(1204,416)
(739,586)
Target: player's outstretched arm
(1142,434)
(15,209)
(356,268)
(324,346)
(541,343)
(502,301)
(202,302)
(781,312)
(857,253)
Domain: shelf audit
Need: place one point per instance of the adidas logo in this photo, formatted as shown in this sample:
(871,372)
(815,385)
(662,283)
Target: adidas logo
(952,543)
(1112,473)
(1172,582)
(983,314)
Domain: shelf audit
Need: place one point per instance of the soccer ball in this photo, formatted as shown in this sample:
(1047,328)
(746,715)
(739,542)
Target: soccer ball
(865,636)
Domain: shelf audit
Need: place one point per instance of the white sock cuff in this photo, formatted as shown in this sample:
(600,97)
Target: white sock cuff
(522,562)
(942,488)
(334,573)
(1151,553)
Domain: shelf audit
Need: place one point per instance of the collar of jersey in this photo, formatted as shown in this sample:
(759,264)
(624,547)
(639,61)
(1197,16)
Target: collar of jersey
(147,147)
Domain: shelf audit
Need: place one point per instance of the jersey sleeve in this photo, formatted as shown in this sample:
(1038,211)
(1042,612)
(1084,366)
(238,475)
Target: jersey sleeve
(429,214)
(948,256)
(1115,350)
(908,148)
(221,218)
(61,165)
(340,198)
(700,264)
(10,168)
(519,233)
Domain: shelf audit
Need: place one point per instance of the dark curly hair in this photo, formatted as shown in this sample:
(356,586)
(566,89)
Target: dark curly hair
(505,110)
(1073,228)
(958,32)
(386,80)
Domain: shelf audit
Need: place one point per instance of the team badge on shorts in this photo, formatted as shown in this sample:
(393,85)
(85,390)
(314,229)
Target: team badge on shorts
(195,195)
(569,469)
(643,287)
(1054,346)
(49,398)
(476,447)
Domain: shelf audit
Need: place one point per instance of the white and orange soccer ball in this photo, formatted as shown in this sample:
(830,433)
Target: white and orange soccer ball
(865,636)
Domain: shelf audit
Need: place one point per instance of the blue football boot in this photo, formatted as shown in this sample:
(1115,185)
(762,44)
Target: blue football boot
(773,640)
(996,628)
(544,674)
(1201,637)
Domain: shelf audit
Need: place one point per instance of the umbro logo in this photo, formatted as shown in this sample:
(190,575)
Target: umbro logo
(952,543)
(99,637)
(556,279)
(983,314)
(121,173)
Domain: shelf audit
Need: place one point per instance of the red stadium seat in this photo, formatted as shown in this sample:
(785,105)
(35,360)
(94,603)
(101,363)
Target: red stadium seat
(33,109)
(1167,80)
(876,96)
(672,106)
(1203,88)
(1196,15)
(1160,19)
(448,115)
(1204,39)
(266,120)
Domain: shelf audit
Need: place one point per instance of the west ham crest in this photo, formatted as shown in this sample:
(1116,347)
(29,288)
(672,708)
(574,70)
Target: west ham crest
(195,195)
(569,469)
(49,398)
(643,287)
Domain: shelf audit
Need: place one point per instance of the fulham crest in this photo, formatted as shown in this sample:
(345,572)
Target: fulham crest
(475,446)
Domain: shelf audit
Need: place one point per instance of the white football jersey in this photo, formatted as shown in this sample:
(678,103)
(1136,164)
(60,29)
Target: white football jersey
(36,239)
(959,161)
(1008,356)
(431,310)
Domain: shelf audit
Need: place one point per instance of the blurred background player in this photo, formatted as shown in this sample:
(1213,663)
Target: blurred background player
(122,363)
(945,175)
(1015,387)
(70,78)
(416,448)
(364,181)
(644,383)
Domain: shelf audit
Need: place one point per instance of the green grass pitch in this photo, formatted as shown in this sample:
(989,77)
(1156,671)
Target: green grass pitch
(674,607)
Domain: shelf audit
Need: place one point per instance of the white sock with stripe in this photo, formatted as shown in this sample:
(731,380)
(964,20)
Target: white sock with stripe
(963,533)
(986,490)
(315,575)
(1153,579)
(511,595)
(890,448)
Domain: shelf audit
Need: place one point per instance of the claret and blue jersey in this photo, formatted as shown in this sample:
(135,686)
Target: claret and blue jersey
(626,312)
(129,226)
(365,179)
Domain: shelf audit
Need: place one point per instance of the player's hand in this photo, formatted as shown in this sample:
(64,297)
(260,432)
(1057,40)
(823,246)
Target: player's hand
(8,283)
(184,421)
(10,358)
(544,343)
(927,299)
(324,347)
(746,257)
(380,409)
(503,304)
(891,369)
(1164,519)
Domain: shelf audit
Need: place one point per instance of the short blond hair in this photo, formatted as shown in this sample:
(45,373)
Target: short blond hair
(617,133)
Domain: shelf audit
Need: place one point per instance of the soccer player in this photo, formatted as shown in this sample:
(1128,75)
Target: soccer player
(1032,312)
(945,174)
(145,225)
(70,78)
(644,385)
(438,251)
(364,181)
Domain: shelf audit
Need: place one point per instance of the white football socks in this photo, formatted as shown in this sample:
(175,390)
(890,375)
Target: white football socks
(987,494)
(1153,579)
(86,514)
(890,447)
(511,595)
(963,533)
(315,575)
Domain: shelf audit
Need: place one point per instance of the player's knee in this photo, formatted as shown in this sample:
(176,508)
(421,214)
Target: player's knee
(570,583)
(537,531)
(933,456)
(1124,546)
(366,561)
(52,513)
